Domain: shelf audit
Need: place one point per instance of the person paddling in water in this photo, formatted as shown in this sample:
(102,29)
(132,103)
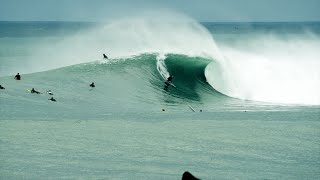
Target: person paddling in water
(105,56)
(17,77)
(49,92)
(51,99)
(92,85)
(1,87)
(34,91)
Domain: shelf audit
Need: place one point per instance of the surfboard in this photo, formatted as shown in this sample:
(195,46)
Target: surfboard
(191,108)
(167,84)
(172,85)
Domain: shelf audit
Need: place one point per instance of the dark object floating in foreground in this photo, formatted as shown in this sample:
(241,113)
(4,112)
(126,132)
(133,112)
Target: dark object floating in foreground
(188,176)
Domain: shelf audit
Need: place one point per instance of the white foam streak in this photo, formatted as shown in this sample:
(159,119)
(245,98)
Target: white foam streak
(161,66)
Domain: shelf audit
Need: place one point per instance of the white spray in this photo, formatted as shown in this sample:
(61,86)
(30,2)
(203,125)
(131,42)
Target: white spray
(153,32)
(270,69)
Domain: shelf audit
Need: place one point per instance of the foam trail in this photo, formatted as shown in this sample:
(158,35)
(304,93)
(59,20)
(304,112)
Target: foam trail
(161,66)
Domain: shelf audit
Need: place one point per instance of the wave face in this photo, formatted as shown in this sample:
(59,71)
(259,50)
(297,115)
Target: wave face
(125,85)
(215,67)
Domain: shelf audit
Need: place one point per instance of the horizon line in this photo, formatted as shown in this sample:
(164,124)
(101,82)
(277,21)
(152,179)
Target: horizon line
(75,21)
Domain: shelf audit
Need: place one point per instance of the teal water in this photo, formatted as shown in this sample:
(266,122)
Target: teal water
(256,84)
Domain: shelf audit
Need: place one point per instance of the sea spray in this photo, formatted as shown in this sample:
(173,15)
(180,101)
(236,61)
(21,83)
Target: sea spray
(270,68)
(170,32)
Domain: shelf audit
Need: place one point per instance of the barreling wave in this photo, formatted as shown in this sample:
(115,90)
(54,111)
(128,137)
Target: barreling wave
(145,75)
(131,84)
(151,50)
(134,84)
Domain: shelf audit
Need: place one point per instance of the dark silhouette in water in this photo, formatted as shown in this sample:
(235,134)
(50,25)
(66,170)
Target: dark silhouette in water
(188,176)
(92,85)
(105,56)
(51,99)
(34,91)
(17,77)
(1,87)
(167,83)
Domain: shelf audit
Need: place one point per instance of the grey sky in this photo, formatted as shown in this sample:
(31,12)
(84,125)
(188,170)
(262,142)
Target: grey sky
(202,10)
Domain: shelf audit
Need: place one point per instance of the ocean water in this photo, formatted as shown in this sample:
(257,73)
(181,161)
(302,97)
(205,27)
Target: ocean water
(254,88)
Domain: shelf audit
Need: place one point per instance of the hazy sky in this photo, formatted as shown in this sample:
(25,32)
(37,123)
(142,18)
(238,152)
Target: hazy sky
(202,10)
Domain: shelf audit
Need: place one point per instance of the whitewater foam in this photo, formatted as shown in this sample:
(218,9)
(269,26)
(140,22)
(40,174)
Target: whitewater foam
(270,69)
(161,66)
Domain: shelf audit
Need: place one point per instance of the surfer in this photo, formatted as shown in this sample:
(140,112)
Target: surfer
(92,85)
(169,79)
(51,99)
(17,77)
(34,91)
(1,87)
(168,83)
(49,92)
(105,56)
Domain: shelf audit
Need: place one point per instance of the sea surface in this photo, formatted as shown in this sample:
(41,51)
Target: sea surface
(254,88)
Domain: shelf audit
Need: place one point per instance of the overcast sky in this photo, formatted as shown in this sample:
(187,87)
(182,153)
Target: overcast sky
(201,10)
